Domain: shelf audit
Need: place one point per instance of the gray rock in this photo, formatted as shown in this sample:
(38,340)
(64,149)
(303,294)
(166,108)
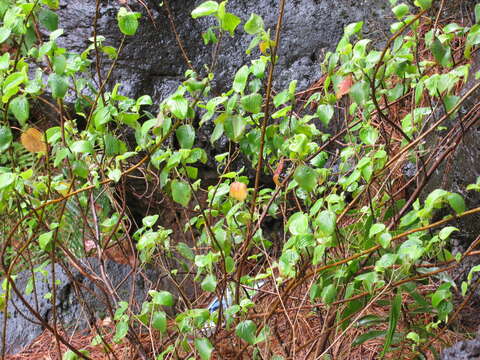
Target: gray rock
(152,63)
(463,168)
(79,302)
(463,350)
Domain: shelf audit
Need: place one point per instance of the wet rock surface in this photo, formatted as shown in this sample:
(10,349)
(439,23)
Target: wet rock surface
(78,301)
(152,63)
(463,168)
(463,350)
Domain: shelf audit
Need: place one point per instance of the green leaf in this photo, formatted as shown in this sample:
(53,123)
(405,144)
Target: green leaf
(298,224)
(149,221)
(281,98)
(369,320)
(385,239)
(159,321)
(204,347)
(441,52)
(385,262)
(4,34)
(181,192)
(376,229)
(254,24)
(59,64)
(209,37)
(185,136)
(113,146)
(368,135)
(163,298)
(408,219)
(178,105)
(400,10)
(6,138)
(374,334)
(80,168)
(329,294)
(209,283)
(54,35)
(473,270)
(423,4)
(4,61)
(115,175)
(258,69)
(69,355)
(20,109)
(144,100)
(450,102)
(445,233)
(127,21)
(185,251)
(82,146)
(282,112)
(246,330)
(229,264)
(252,103)
(392,322)
(205,9)
(122,307)
(353,28)
(359,92)
(234,127)
(121,330)
(52,4)
(229,22)
(13,81)
(45,241)
(148,240)
(6,179)
(477,13)
(456,202)
(325,113)
(217,132)
(240,80)
(48,19)
(306,178)
(102,116)
(58,85)
(326,221)
(110,51)
(411,250)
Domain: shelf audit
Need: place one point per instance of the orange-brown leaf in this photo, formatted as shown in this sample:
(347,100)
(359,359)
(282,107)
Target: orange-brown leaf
(264,46)
(32,140)
(278,171)
(344,86)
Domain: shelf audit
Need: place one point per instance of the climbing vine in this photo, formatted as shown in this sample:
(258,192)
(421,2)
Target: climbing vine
(323,167)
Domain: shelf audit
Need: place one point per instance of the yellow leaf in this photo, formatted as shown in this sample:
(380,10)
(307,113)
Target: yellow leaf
(264,46)
(63,187)
(238,191)
(32,140)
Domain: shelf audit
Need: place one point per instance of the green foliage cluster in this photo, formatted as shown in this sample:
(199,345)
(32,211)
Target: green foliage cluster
(378,256)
